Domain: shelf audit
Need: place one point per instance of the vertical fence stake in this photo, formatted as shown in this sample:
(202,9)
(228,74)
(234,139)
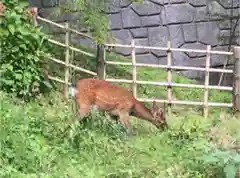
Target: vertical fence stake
(101,62)
(169,88)
(66,60)
(236,80)
(205,102)
(134,70)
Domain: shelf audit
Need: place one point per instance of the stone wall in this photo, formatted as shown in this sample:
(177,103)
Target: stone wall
(186,23)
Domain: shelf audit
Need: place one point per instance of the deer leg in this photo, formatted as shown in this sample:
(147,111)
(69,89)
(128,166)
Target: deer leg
(124,116)
(114,116)
(83,112)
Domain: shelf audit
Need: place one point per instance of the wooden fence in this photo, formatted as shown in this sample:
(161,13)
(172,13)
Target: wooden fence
(67,47)
(102,62)
(169,84)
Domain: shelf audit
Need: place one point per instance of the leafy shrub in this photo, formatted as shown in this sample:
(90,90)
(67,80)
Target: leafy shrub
(20,56)
(224,162)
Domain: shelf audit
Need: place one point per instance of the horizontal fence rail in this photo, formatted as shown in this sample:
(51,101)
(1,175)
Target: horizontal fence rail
(165,84)
(63,27)
(195,103)
(169,67)
(172,49)
(102,62)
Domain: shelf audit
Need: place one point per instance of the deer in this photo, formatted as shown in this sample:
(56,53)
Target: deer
(117,101)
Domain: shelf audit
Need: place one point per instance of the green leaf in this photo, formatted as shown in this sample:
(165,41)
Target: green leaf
(24,31)
(18,76)
(8,82)
(19,9)
(15,49)
(210,159)
(4,32)
(237,158)
(230,171)
(7,66)
(11,28)
(23,46)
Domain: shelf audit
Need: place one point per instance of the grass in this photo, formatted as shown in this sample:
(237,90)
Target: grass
(33,142)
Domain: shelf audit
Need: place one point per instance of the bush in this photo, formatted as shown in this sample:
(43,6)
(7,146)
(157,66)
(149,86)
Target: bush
(21,46)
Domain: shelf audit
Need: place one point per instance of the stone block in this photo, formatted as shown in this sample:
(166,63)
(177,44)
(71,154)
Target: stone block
(52,29)
(77,40)
(113,7)
(158,36)
(197,3)
(36,3)
(194,46)
(139,33)
(123,37)
(194,75)
(130,19)
(176,35)
(151,21)
(150,59)
(190,32)
(159,2)
(228,3)
(182,59)
(125,3)
(115,21)
(49,3)
(163,17)
(216,9)
(141,42)
(55,14)
(80,26)
(218,60)
(224,37)
(180,13)
(224,24)
(207,33)
(201,15)
(177,1)
(147,8)
(227,79)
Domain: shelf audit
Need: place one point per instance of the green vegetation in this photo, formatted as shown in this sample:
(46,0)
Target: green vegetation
(35,144)
(20,58)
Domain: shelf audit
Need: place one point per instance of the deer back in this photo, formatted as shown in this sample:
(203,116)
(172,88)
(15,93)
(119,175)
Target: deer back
(100,92)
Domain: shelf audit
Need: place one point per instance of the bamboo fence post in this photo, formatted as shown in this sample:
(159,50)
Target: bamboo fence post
(134,70)
(67,38)
(206,91)
(236,80)
(169,87)
(101,64)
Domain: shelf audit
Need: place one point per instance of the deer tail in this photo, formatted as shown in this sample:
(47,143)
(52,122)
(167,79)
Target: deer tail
(72,92)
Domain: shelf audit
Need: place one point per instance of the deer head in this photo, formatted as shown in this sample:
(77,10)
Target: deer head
(158,116)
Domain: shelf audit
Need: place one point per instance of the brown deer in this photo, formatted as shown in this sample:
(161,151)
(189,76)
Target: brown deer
(117,101)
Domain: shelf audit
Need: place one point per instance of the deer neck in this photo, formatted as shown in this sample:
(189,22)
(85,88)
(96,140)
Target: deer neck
(142,112)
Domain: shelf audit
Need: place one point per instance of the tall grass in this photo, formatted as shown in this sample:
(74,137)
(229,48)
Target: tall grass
(33,144)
